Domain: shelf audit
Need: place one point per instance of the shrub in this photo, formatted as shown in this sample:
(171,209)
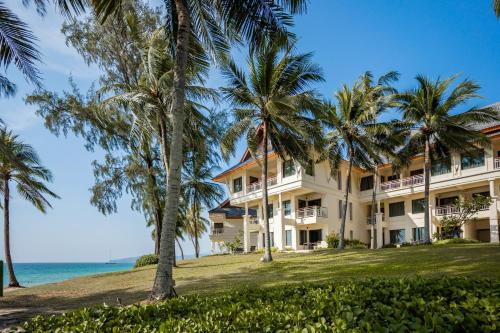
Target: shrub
(332,240)
(389,246)
(455,241)
(148,259)
(373,305)
(355,244)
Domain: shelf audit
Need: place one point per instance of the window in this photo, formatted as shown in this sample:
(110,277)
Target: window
(448,201)
(397,236)
(288,237)
(237,185)
(473,160)
(418,234)
(441,166)
(392,177)
(288,168)
(485,194)
(303,237)
(339,180)
(310,168)
(416,172)
(315,202)
(397,209)
(218,225)
(341,209)
(349,185)
(350,211)
(271,236)
(417,206)
(366,183)
(287,207)
(270,210)
(351,235)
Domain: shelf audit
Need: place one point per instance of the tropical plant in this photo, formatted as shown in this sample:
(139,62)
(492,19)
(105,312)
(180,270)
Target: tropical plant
(496,7)
(271,109)
(211,24)
(146,260)
(21,166)
(437,130)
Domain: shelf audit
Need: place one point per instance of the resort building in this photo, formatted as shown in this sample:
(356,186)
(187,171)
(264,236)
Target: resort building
(305,204)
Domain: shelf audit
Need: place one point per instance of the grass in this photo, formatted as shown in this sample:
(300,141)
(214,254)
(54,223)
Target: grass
(216,274)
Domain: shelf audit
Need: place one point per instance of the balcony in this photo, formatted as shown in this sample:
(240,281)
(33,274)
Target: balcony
(311,214)
(369,219)
(217,231)
(402,183)
(258,185)
(450,210)
(496,163)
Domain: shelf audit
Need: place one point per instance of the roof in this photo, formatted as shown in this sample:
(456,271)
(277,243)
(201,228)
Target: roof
(231,211)
(493,125)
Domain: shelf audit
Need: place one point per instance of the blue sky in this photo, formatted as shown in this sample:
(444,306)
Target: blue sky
(348,37)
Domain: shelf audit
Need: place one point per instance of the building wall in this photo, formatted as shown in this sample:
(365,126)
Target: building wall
(232,228)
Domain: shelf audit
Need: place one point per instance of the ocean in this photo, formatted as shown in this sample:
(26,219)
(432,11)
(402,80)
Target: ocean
(31,274)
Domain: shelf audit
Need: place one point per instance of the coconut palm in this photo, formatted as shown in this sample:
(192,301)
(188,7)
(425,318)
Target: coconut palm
(22,167)
(430,109)
(496,7)
(271,108)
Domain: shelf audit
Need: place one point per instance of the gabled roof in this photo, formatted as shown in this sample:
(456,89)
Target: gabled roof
(231,211)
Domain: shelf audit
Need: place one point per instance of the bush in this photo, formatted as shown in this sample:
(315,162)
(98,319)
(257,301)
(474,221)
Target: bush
(389,246)
(455,241)
(355,244)
(332,240)
(148,259)
(373,305)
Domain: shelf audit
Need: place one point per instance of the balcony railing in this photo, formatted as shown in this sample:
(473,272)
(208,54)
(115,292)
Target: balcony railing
(217,231)
(258,185)
(402,183)
(452,210)
(369,219)
(253,220)
(312,211)
(496,163)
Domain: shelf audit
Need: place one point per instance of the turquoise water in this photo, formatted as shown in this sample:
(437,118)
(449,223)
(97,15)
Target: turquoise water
(31,274)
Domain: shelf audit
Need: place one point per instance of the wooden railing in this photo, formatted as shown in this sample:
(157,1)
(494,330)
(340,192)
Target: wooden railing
(312,211)
(258,185)
(402,183)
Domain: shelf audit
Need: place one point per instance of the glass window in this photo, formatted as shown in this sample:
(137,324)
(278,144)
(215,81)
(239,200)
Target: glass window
(303,237)
(397,209)
(349,185)
(397,236)
(339,180)
(237,185)
(441,166)
(485,194)
(350,211)
(270,210)
(218,225)
(473,160)
(392,177)
(271,236)
(418,234)
(288,168)
(287,207)
(416,172)
(310,168)
(417,206)
(351,235)
(341,208)
(288,237)
(366,183)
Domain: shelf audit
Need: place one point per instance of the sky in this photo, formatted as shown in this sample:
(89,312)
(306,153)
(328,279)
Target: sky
(347,37)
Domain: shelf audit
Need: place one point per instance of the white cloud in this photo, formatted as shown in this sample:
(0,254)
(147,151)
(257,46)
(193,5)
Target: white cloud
(19,119)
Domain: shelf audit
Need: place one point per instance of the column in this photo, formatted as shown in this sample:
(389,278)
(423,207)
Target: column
(279,226)
(494,237)
(432,227)
(246,232)
(378,227)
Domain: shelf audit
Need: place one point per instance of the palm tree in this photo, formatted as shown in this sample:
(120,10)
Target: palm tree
(354,135)
(271,109)
(496,7)
(21,166)
(437,128)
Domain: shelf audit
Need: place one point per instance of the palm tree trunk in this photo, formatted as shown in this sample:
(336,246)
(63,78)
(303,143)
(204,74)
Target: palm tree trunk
(157,213)
(265,198)
(374,208)
(427,180)
(180,247)
(163,286)
(6,233)
(346,203)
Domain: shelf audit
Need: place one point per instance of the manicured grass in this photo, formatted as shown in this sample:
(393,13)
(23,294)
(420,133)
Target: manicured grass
(216,274)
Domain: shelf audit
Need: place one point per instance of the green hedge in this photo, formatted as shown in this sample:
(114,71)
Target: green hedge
(148,259)
(375,305)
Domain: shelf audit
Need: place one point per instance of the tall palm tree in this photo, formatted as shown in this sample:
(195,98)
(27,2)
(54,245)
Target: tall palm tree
(496,7)
(430,109)
(271,108)
(21,166)
(353,127)
(213,24)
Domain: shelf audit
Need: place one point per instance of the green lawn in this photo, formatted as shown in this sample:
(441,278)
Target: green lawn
(216,274)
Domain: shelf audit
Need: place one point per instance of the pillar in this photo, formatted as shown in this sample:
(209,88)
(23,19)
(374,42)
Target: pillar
(246,232)
(494,237)
(279,226)
(378,227)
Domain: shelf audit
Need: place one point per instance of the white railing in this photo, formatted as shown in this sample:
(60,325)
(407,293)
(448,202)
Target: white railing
(217,231)
(484,207)
(369,219)
(312,211)
(446,210)
(253,220)
(258,185)
(496,163)
(402,183)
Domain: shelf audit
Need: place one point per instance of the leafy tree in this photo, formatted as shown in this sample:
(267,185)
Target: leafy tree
(465,212)
(22,167)
(437,129)
(271,109)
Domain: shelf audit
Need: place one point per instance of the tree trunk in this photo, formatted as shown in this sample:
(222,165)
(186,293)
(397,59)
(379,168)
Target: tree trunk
(157,213)
(163,286)
(374,208)
(265,198)
(346,203)
(180,247)
(427,178)
(6,233)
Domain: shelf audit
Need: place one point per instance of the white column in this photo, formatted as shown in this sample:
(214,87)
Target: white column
(279,226)
(378,226)
(494,237)
(246,232)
